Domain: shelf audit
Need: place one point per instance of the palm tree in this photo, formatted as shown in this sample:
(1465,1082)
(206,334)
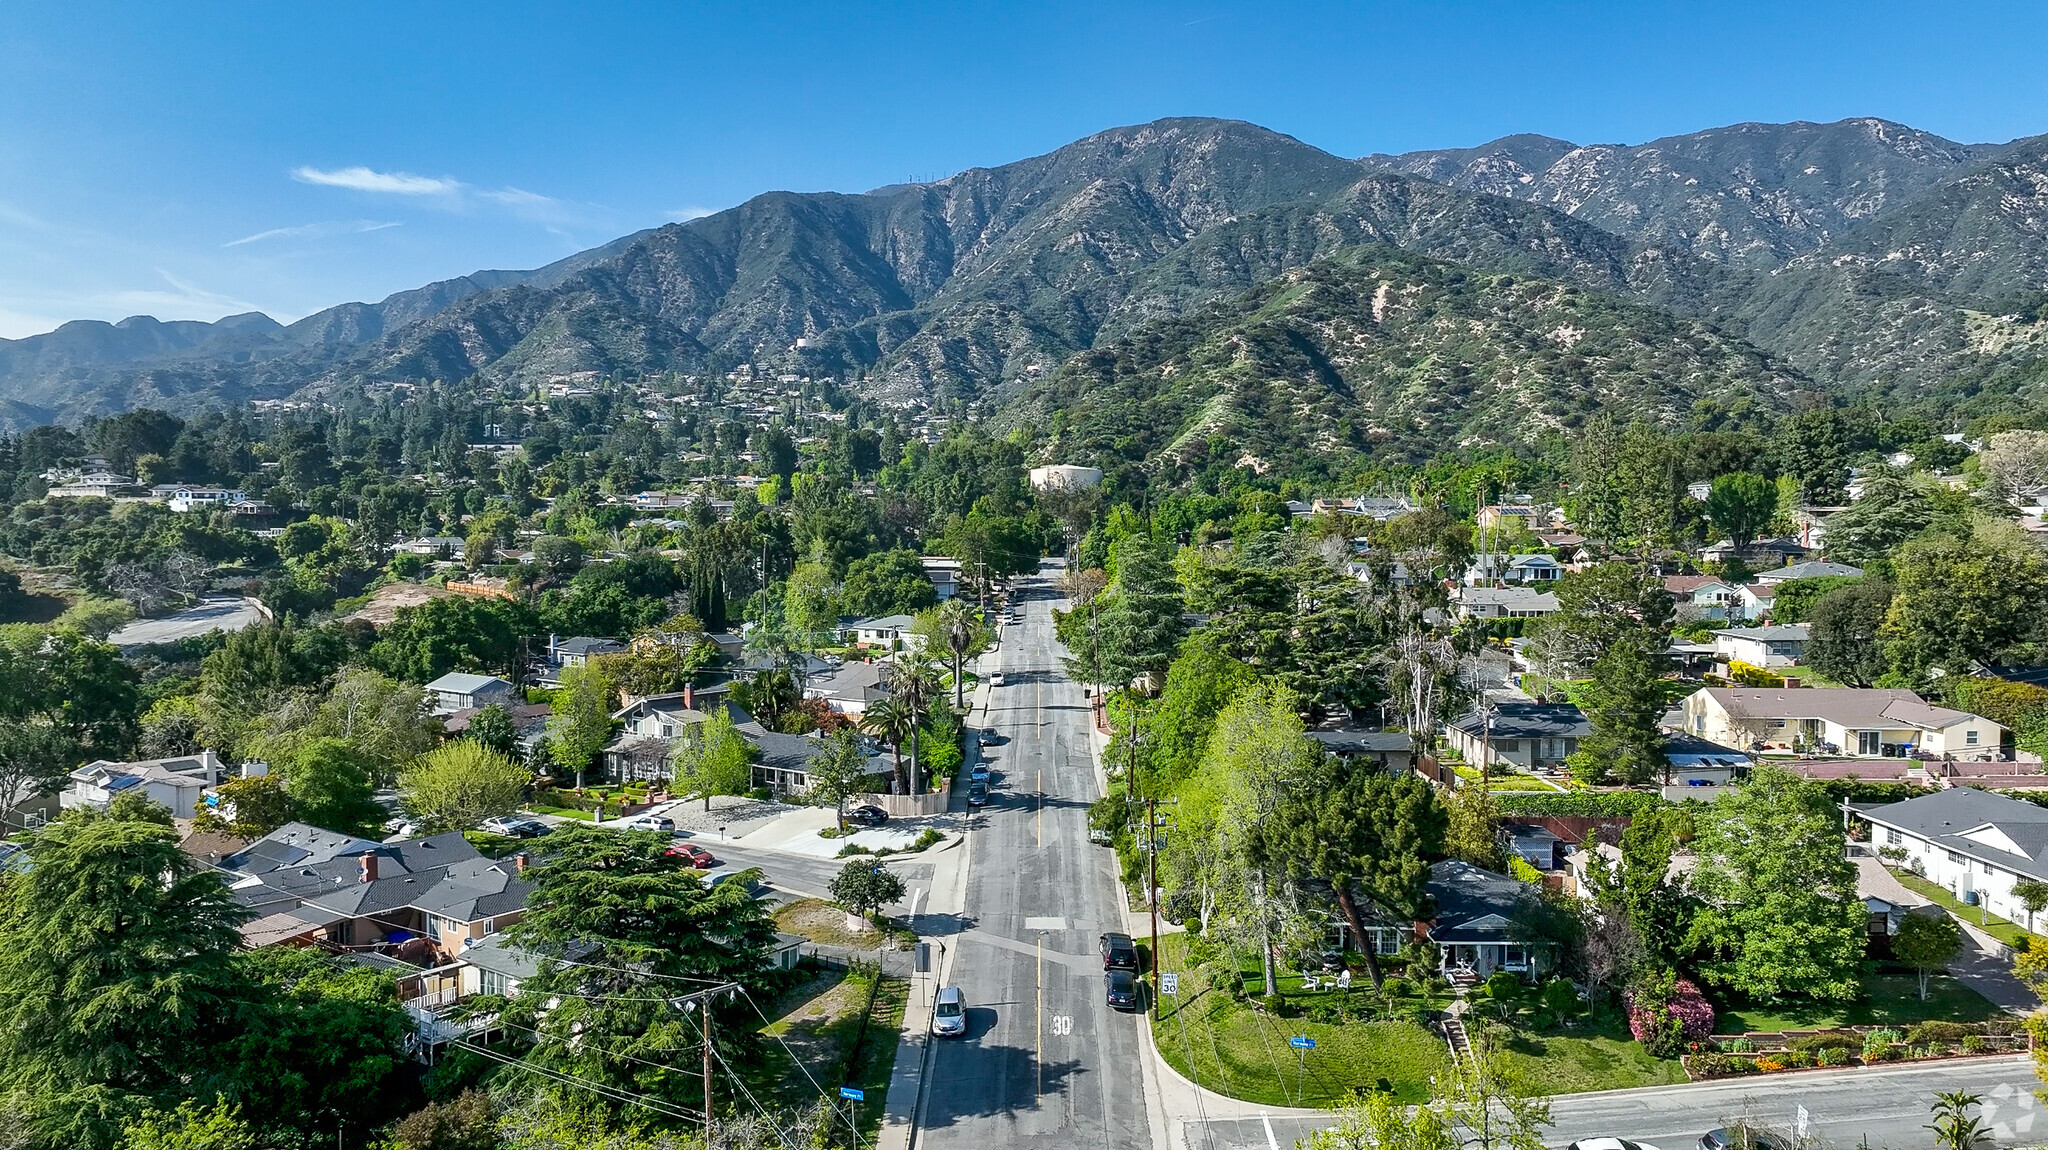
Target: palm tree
(961,629)
(891,721)
(915,682)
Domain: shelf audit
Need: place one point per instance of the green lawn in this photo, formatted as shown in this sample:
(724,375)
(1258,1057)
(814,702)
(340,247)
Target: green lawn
(2009,933)
(1601,1057)
(1230,1048)
(1889,1000)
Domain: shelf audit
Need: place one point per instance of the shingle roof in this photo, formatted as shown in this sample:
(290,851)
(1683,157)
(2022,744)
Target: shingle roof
(1843,706)
(1529,721)
(1782,633)
(1946,815)
(1813,570)
(460,683)
(1363,742)
(1474,904)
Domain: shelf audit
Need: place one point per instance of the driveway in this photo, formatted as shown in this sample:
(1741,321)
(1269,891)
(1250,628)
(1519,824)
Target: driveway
(1983,965)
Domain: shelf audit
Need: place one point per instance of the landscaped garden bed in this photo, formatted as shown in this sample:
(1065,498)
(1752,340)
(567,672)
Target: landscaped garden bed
(1733,1055)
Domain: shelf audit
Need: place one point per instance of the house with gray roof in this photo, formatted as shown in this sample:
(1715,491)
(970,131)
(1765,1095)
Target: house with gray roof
(1873,723)
(460,691)
(1392,751)
(1780,646)
(1521,736)
(422,900)
(1973,842)
(1505,603)
(1477,919)
(1814,569)
(179,783)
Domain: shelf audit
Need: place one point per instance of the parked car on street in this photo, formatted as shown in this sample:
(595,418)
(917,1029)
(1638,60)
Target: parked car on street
(1122,989)
(1742,1138)
(1609,1144)
(977,794)
(949,1013)
(871,816)
(1119,952)
(995,678)
(516,826)
(979,774)
(652,823)
(696,856)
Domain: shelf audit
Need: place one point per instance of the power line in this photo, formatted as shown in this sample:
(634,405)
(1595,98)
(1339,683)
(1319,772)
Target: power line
(615,1094)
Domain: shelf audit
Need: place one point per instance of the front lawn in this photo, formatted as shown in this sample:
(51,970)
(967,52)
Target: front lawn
(1890,999)
(2009,933)
(1227,1046)
(1599,1055)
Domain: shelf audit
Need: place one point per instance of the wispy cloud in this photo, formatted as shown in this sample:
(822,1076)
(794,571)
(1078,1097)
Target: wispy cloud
(319,230)
(363,179)
(184,299)
(15,217)
(686,214)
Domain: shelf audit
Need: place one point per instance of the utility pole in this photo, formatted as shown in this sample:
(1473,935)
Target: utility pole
(700,1002)
(1131,772)
(1152,888)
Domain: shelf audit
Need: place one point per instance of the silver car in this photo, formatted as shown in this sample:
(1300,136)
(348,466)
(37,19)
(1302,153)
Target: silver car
(949,1014)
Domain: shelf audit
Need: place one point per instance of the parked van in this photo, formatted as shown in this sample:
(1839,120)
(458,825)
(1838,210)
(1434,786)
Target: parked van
(949,1014)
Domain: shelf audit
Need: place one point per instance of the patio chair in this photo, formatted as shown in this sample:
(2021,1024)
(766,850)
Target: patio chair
(1311,982)
(1344,979)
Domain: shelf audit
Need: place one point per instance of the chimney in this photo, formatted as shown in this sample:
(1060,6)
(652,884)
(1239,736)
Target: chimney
(367,864)
(520,862)
(689,697)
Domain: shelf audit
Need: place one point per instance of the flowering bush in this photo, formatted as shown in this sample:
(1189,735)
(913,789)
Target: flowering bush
(1666,1014)
(1769,1064)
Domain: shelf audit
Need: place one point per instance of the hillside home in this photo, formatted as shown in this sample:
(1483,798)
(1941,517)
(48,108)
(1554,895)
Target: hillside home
(944,573)
(1703,598)
(1512,516)
(179,783)
(1757,599)
(459,691)
(1505,603)
(1392,751)
(1514,570)
(424,900)
(885,631)
(1762,554)
(1813,569)
(1842,721)
(1972,842)
(435,547)
(1479,924)
(1524,736)
(92,484)
(1780,646)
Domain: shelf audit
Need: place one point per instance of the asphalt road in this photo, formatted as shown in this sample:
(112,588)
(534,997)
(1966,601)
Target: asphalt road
(1045,1061)
(1845,1108)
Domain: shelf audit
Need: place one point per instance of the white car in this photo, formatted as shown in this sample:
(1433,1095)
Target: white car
(995,678)
(1609,1144)
(652,823)
(949,1013)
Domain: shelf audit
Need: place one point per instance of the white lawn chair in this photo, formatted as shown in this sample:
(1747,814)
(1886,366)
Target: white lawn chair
(1310,982)
(1344,979)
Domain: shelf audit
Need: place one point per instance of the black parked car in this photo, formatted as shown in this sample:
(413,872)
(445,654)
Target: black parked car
(1123,989)
(867,816)
(1119,952)
(977,795)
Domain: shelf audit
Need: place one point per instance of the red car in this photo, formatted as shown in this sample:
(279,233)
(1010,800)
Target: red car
(696,856)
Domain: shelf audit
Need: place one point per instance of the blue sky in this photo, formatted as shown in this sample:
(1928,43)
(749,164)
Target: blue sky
(191,161)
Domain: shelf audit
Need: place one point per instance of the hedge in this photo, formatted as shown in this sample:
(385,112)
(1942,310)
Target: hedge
(2022,708)
(1576,804)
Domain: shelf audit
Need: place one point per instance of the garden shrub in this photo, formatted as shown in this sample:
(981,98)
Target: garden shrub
(1974,1044)
(1721,1064)
(1937,1030)
(1667,1014)
(1797,1059)
(1274,1005)
(1827,1040)
(1769,1063)
(1560,998)
(1503,986)
(1739,1046)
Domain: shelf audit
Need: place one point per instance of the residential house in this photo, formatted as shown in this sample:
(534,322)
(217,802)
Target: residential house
(944,573)
(1479,925)
(1505,603)
(435,547)
(566,651)
(1812,569)
(188,498)
(1392,751)
(1514,570)
(1970,841)
(1780,646)
(91,484)
(648,728)
(1536,845)
(1764,553)
(1703,598)
(1873,723)
(1524,736)
(849,688)
(1756,599)
(423,900)
(179,782)
(460,691)
(1509,516)
(529,723)
(886,631)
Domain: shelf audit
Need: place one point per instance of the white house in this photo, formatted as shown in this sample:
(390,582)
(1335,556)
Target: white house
(178,783)
(944,573)
(1516,570)
(882,631)
(1972,842)
(201,498)
(1888,724)
(1703,597)
(457,691)
(1779,646)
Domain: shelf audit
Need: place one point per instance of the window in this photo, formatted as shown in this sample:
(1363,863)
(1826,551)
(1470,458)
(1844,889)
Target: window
(1970,737)
(1958,860)
(668,730)
(1985,866)
(1892,837)
(1867,742)
(490,927)
(493,982)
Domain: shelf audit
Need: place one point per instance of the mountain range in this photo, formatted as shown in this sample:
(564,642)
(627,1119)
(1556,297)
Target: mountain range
(1856,256)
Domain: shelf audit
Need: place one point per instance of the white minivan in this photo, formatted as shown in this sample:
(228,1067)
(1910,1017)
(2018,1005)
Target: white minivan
(949,1014)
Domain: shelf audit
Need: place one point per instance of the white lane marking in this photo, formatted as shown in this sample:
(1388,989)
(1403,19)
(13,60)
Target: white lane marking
(1268,1123)
(1045,922)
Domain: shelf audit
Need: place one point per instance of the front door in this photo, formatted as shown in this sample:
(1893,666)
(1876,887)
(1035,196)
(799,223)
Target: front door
(1867,742)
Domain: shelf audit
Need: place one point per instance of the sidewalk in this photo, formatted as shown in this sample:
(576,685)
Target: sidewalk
(1984,966)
